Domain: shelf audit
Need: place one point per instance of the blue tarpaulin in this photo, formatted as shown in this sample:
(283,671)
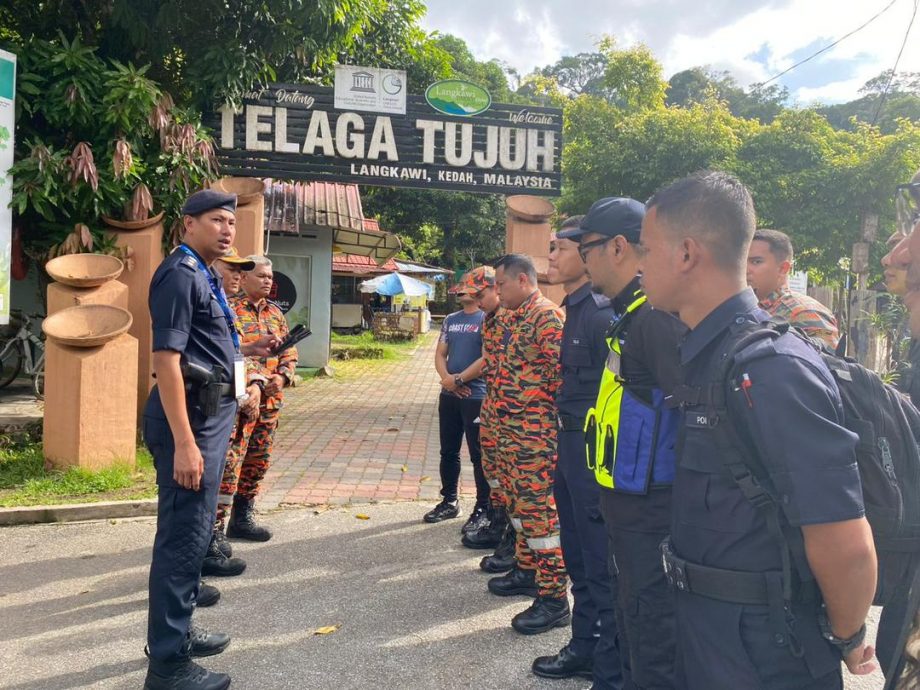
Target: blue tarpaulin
(397,284)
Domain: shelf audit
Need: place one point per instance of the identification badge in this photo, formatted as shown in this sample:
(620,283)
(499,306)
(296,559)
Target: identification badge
(239,376)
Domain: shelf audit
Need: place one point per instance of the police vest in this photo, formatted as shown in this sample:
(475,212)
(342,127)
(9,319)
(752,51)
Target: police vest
(630,435)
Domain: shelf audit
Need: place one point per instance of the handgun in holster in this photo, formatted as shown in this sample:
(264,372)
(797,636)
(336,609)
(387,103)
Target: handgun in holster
(207,384)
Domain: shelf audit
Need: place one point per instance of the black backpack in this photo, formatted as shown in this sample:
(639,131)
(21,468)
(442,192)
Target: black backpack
(887,455)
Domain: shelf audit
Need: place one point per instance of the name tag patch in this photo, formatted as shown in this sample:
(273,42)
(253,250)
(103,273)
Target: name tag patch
(699,420)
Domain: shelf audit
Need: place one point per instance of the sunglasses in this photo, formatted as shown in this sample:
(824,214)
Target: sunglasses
(585,247)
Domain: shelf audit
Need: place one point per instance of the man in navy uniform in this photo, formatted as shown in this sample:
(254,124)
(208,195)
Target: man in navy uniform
(772,589)
(187,421)
(592,650)
(634,468)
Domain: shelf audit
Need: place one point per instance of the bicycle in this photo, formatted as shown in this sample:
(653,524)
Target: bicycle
(24,352)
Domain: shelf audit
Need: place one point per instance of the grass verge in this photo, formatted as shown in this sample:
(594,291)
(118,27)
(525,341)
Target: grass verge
(26,481)
(366,341)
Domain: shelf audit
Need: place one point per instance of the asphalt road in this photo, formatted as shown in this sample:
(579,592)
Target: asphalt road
(410,604)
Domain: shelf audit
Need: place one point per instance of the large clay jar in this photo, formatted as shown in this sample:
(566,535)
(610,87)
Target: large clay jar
(528,231)
(91,370)
(145,238)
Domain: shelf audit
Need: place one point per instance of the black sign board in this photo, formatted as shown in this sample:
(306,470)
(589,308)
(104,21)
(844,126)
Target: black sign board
(294,132)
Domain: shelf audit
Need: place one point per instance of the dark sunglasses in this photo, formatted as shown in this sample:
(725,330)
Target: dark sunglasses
(585,247)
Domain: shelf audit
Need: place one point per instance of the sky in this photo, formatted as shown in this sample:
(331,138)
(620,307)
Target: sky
(752,39)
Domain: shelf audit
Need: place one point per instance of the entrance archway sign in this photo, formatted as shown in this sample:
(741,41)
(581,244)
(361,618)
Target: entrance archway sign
(295,132)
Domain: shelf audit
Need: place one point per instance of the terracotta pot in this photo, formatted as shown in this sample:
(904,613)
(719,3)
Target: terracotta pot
(529,208)
(89,325)
(84,270)
(247,189)
(132,225)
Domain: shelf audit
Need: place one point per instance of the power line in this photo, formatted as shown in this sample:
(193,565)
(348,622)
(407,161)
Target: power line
(884,96)
(835,43)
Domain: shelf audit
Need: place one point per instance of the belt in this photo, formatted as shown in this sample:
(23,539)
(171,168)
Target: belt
(567,422)
(226,389)
(733,586)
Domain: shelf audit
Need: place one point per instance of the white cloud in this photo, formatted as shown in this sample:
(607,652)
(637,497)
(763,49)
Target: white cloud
(683,34)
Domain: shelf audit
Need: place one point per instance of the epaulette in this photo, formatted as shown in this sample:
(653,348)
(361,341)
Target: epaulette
(275,304)
(189,262)
(600,300)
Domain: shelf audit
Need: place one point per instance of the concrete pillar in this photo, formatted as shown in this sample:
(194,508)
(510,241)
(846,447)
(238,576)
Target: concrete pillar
(145,238)
(113,293)
(90,397)
(250,212)
(527,231)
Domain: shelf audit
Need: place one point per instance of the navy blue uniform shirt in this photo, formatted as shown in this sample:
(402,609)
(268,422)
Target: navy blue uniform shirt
(584,350)
(187,318)
(794,419)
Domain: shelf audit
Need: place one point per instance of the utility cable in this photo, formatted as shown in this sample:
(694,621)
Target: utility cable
(835,43)
(894,70)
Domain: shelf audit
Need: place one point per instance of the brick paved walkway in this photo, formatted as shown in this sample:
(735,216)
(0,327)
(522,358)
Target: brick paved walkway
(370,435)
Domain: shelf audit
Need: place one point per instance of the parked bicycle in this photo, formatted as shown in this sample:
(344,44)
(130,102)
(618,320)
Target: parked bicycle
(24,353)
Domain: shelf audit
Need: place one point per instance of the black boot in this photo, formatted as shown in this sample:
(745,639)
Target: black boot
(544,614)
(216,563)
(518,581)
(445,510)
(223,543)
(503,559)
(208,595)
(565,664)
(487,537)
(242,523)
(202,642)
(183,675)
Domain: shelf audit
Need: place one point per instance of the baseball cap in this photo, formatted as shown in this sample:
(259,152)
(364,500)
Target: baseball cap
(610,216)
(233,257)
(476,280)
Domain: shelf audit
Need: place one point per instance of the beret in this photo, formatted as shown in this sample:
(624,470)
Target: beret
(208,199)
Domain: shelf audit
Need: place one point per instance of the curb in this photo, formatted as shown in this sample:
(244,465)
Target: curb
(71,512)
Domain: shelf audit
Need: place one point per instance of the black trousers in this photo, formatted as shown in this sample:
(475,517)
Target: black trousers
(185,520)
(636,525)
(459,417)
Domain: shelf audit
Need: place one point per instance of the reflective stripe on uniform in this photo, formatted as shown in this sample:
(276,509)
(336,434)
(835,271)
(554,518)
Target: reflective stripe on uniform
(517,524)
(224,499)
(544,543)
(493,483)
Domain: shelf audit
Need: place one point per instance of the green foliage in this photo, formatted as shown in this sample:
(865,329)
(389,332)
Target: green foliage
(698,84)
(490,75)
(25,480)
(472,225)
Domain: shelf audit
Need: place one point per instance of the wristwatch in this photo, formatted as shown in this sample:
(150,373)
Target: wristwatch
(457,380)
(844,646)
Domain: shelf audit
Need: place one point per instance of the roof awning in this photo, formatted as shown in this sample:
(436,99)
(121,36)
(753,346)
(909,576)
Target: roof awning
(296,208)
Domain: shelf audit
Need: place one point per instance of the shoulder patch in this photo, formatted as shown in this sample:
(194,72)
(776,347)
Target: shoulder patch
(189,262)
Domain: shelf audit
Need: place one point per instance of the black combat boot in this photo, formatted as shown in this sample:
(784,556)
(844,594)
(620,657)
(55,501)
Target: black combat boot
(489,536)
(208,595)
(503,559)
(183,675)
(544,614)
(223,543)
(565,664)
(202,642)
(518,581)
(216,563)
(242,523)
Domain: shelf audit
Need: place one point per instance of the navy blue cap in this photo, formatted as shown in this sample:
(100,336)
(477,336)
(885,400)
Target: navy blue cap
(208,199)
(611,216)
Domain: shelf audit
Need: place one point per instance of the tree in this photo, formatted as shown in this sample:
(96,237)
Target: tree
(608,153)
(490,75)
(698,84)
(902,101)
(206,51)
(472,225)
(579,74)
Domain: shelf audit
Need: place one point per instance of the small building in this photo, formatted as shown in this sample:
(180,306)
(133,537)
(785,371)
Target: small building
(305,224)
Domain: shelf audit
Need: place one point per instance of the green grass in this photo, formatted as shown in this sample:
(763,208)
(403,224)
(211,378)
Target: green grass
(396,350)
(25,480)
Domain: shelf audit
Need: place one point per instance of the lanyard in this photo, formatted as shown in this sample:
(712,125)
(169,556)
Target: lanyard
(218,293)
